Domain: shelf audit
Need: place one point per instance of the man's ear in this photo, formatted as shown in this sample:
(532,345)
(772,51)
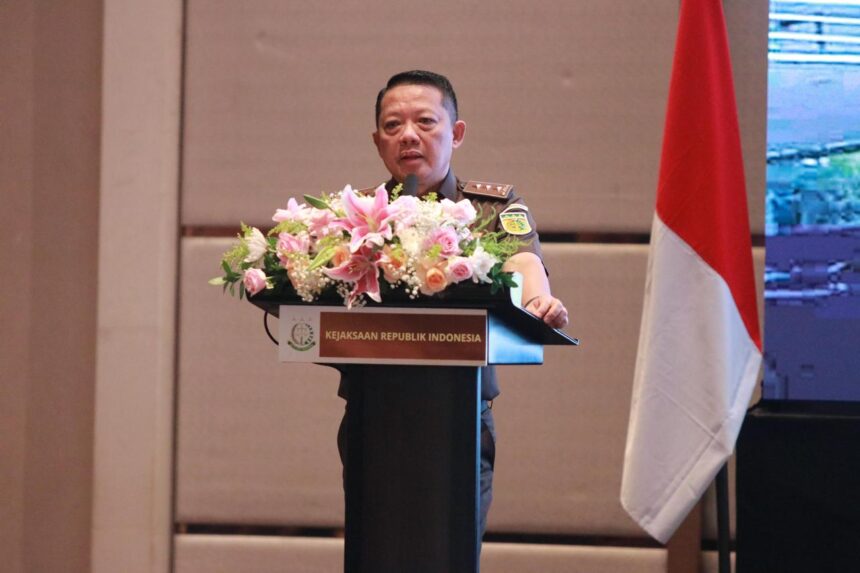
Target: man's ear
(459,132)
(375,136)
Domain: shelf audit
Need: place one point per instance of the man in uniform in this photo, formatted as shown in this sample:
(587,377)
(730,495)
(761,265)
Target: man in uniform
(417,131)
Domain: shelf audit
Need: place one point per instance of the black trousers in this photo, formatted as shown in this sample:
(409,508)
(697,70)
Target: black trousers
(488,457)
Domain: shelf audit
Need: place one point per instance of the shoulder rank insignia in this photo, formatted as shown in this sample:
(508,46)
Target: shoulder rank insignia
(515,220)
(491,190)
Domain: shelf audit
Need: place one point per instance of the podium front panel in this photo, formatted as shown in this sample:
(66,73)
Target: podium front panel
(383,335)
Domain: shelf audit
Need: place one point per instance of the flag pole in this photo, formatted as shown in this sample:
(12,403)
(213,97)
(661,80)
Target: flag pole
(723,532)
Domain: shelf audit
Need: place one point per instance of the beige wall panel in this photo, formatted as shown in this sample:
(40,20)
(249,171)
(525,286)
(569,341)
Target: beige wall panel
(257,445)
(49,182)
(65,202)
(517,558)
(228,554)
(234,553)
(16,231)
(256,438)
(561,428)
(567,102)
(711,562)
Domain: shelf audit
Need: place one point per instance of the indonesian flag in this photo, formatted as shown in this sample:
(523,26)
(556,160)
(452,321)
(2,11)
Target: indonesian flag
(699,344)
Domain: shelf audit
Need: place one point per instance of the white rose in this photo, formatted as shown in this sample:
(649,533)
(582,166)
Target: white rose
(257,245)
(482,262)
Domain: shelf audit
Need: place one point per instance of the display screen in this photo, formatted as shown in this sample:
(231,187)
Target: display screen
(812,227)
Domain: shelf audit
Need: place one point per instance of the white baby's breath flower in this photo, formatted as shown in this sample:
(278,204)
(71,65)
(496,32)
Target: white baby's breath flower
(411,240)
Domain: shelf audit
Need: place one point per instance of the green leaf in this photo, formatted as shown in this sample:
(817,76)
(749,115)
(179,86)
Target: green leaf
(395,192)
(482,222)
(291,227)
(322,258)
(508,280)
(316,202)
(434,251)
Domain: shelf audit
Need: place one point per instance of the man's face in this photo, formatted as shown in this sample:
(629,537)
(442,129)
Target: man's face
(415,134)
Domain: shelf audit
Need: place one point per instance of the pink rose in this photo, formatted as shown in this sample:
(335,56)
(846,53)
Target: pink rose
(288,243)
(446,238)
(404,209)
(393,263)
(254,281)
(463,212)
(434,281)
(340,256)
(458,269)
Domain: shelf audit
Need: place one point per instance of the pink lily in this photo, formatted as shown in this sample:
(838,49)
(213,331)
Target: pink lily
(362,270)
(293,212)
(321,222)
(369,218)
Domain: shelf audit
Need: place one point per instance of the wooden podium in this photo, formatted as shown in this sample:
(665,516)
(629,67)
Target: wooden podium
(412,371)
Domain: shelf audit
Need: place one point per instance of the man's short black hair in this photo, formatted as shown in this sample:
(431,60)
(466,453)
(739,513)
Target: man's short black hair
(421,78)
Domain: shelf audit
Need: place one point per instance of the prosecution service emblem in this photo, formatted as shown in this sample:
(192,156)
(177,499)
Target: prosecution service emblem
(515,222)
(301,337)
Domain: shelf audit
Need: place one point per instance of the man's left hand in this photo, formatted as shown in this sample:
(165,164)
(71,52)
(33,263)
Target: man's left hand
(550,309)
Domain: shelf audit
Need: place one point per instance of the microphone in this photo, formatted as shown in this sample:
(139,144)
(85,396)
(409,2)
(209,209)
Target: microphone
(410,185)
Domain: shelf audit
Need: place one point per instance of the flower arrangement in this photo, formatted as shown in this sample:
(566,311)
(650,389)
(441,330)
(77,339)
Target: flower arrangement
(361,245)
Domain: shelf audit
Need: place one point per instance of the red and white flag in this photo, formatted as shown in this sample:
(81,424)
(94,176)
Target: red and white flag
(699,344)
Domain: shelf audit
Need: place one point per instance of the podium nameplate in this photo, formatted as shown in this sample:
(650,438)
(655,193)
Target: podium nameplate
(370,335)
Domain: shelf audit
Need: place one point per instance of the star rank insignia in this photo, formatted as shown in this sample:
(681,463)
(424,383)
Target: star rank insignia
(491,190)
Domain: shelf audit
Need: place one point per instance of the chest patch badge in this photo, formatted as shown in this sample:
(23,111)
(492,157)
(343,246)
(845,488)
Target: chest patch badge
(515,222)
